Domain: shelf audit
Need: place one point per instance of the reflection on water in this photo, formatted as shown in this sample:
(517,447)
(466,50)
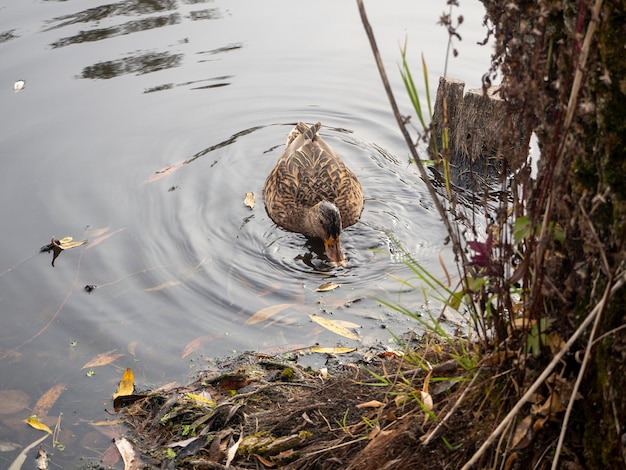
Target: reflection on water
(137,63)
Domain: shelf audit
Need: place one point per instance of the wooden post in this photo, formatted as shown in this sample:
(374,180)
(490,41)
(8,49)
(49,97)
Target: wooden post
(476,124)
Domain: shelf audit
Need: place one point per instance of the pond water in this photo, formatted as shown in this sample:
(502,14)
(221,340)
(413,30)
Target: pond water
(141,126)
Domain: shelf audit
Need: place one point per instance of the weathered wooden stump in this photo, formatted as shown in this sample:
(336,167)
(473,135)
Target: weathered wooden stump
(484,137)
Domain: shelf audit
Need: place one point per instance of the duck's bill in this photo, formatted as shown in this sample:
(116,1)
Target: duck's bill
(333,251)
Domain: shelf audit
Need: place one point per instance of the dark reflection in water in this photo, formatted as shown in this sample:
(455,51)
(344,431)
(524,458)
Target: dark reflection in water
(7,36)
(119,30)
(130,7)
(140,64)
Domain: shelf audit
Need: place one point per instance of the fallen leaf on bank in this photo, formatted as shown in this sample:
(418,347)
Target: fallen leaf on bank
(163,172)
(124,401)
(332,325)
(266,313)
(42,459)
(47,400)
(125,448)
(321,350)
(202,398)
(327,287)
(196,344)
(102,359)
(33,422)
(12,401)
(20,459)
(127,384)
(249,200)
(521,435)
(370,404)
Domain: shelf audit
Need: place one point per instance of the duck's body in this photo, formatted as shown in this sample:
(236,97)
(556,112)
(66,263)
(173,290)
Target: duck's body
(311,191)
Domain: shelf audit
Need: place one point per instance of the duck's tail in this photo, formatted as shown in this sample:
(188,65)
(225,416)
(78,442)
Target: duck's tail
(301,128)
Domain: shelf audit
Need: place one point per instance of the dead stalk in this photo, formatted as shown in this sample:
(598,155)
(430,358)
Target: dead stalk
(619,282)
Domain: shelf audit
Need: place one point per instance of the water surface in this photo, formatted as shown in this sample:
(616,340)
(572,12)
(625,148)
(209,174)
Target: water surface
(141,127)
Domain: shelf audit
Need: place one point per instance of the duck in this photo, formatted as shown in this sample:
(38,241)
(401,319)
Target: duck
(311,191)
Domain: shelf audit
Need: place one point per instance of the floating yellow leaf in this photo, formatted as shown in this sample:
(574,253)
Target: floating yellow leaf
(35,423)
(57,246)
(47,400)
(127,384)
(328,287)
(102,359)
(317,349)
(249,200)
(332,325)
(266,313)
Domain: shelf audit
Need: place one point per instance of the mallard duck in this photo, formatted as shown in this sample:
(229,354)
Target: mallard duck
(311,191)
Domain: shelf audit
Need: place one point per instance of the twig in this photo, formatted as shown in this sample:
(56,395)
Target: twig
(619,282)
(396,112)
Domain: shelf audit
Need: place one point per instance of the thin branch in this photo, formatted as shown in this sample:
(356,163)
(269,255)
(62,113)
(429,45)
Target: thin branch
(619,282)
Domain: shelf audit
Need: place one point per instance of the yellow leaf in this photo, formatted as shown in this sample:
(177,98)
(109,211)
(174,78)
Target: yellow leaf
(127,384)
(327,287)
(102,359)
(47,400)
(317,349)
(67,243)
(333,326)
(201,399)
(35,423)
(249,200)
(266,313)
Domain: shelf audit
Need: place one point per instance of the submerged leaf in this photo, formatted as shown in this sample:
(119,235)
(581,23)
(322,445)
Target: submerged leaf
(317,349)
(327,287)
(35,423)
(266,313)
(249,200)
(196,344)
(127,384)
(102,360)
(47,400)
(332,325)
(12,401)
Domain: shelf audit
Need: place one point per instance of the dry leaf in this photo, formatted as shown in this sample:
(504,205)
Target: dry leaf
(127,384)
(202,398)
(370,404)
(47,400)
(162,286)
(266,313)
(102,238)
(320,350)
(196,344)
(57,246)
(125,448)
(12,401)
(163,172)
(35,423)
(42,459)
(102,360)
(521,432)
(327,287)
(427,400)
(333,326)
(249,200)
(19,85)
